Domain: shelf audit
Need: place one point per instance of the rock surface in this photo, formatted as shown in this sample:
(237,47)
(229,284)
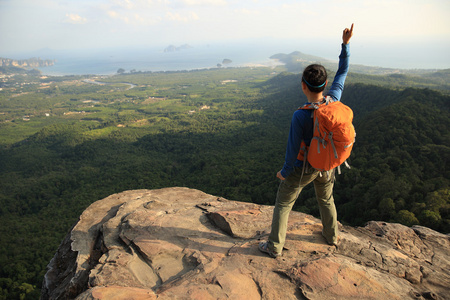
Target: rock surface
(180,243)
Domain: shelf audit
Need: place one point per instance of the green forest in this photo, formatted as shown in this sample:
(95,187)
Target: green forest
(66,142)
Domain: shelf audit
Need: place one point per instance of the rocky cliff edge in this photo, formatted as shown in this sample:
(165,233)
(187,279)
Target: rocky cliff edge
(180,243)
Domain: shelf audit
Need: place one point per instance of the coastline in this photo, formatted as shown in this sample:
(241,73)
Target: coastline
(108,63)
(105,69)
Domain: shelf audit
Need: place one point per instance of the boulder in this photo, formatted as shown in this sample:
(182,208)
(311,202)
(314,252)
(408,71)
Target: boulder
(181,243)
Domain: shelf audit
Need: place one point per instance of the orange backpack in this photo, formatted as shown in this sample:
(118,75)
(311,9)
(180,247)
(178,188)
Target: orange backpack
(333,135)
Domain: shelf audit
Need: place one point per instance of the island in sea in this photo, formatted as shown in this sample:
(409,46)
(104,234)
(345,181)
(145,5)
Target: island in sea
(24,66)
(172,48)
(26,63)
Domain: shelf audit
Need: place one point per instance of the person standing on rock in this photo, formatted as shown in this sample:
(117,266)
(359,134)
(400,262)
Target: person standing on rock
(293,180)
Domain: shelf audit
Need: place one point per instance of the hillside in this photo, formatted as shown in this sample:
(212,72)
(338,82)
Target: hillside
(296,61)
(66,143)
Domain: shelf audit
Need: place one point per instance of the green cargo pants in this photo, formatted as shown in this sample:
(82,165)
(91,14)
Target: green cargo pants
(288,192)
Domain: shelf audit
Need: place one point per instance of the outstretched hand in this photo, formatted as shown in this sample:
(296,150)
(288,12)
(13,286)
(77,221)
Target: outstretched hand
(347,35)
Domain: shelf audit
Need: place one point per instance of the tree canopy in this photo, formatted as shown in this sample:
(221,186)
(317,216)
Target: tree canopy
(223,131)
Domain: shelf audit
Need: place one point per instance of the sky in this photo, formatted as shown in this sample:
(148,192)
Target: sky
(388,27)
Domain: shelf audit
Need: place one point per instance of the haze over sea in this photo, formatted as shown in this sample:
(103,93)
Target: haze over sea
(107,61)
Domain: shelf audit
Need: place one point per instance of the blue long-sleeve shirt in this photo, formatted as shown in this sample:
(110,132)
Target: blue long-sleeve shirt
(302,123)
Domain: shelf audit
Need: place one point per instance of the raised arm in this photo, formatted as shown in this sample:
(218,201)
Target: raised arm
(339,79)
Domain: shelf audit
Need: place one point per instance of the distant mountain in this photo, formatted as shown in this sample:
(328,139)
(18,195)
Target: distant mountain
(296,61)
(172,48)
(298,57)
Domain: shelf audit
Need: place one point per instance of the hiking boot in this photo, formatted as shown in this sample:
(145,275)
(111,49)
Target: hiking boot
(335,243)
(265,247)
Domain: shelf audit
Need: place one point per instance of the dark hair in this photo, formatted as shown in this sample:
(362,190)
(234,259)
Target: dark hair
(315,77)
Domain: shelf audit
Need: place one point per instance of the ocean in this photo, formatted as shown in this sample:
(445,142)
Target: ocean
(406,55)
(109,61)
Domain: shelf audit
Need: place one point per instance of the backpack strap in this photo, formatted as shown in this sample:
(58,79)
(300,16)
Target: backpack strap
(305,161)
(330,137)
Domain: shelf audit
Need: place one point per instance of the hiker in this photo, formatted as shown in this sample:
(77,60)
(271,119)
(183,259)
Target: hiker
(293,176)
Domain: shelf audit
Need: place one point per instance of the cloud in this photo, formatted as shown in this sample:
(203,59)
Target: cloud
(204,2)
(151,12)
(246,11)
(75,19)
(112,14)
(137,4)
(133,18)
(117,16)
(192,16)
